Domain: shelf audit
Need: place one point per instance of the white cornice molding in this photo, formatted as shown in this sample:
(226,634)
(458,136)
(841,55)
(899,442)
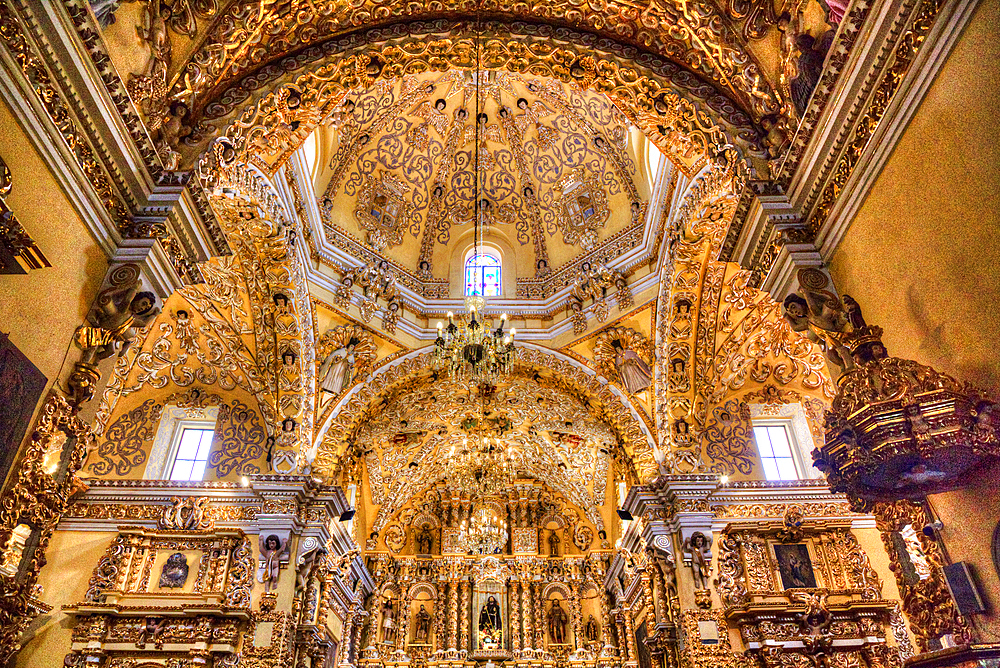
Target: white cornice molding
(905,104)
(51,147)
(524,308)
(850,100)
(85,91)
(872,48)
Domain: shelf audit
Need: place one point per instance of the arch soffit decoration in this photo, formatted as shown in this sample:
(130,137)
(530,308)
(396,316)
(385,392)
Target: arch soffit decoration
(422,588)
(554,587)
(694,37)
(255,119)
(235,319)
(334,436)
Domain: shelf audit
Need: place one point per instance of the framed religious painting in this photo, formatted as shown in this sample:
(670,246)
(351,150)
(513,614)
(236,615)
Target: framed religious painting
(795,568)
(21,386)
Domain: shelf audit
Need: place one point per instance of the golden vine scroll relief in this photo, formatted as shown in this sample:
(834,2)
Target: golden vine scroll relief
(249,326)
(642,94)
(180,96)
(400,413)
(282,314)
(724,342)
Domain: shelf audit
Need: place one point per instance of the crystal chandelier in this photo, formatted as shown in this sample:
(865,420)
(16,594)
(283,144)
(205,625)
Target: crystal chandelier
(473,349)
(481,471)
(483,533)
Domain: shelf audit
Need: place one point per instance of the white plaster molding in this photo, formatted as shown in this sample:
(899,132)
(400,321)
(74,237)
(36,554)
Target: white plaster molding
(85,91)
(49,144)
(526,308)
(905,104)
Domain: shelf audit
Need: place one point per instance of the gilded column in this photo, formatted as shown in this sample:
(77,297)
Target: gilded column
(539,618)
(403,635)
(359,626)
(630,635)
(440,606)
(606,621)
(515,617)
(577,613)
(622,639)
(464,616)
(661,593)
(527,606)
(345,647)
(647,592)
(453,615)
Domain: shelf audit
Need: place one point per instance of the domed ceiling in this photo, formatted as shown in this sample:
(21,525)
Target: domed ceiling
(558,164)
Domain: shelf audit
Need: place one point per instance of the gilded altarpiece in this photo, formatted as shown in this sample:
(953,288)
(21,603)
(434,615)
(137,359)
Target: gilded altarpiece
(164,596)
(803,593)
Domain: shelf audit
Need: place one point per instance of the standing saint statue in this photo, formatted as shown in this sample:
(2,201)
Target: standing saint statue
(553,544)
(699,546)
(592,631)
(388,623)
(634,372)
(557,623)
(423,625)
(490,624)
(424,541)
(337,369)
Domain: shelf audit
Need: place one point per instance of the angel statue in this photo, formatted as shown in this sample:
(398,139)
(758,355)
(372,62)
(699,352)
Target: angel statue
(338,368)
(113,321)
(818,315)
(634,372)
(272,549)
(699,547)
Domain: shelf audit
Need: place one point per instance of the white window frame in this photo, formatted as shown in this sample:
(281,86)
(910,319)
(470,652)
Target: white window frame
(483,252)
(792,446)
(184,426)
(800,439)
(173,422)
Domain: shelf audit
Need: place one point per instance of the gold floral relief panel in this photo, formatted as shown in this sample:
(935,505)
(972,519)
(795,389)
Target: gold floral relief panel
(202,342)
(241,445)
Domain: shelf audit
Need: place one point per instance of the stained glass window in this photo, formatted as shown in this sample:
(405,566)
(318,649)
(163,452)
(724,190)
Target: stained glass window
(482,276)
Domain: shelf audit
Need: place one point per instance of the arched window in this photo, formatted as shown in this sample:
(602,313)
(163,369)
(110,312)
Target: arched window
(482,275)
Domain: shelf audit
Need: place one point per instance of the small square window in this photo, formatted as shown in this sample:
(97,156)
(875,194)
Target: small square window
(775,449)
(193,448)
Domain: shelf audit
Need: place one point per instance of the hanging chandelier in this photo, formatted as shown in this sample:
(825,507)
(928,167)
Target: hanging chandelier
(474,349)
(485,532)
(480,471)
